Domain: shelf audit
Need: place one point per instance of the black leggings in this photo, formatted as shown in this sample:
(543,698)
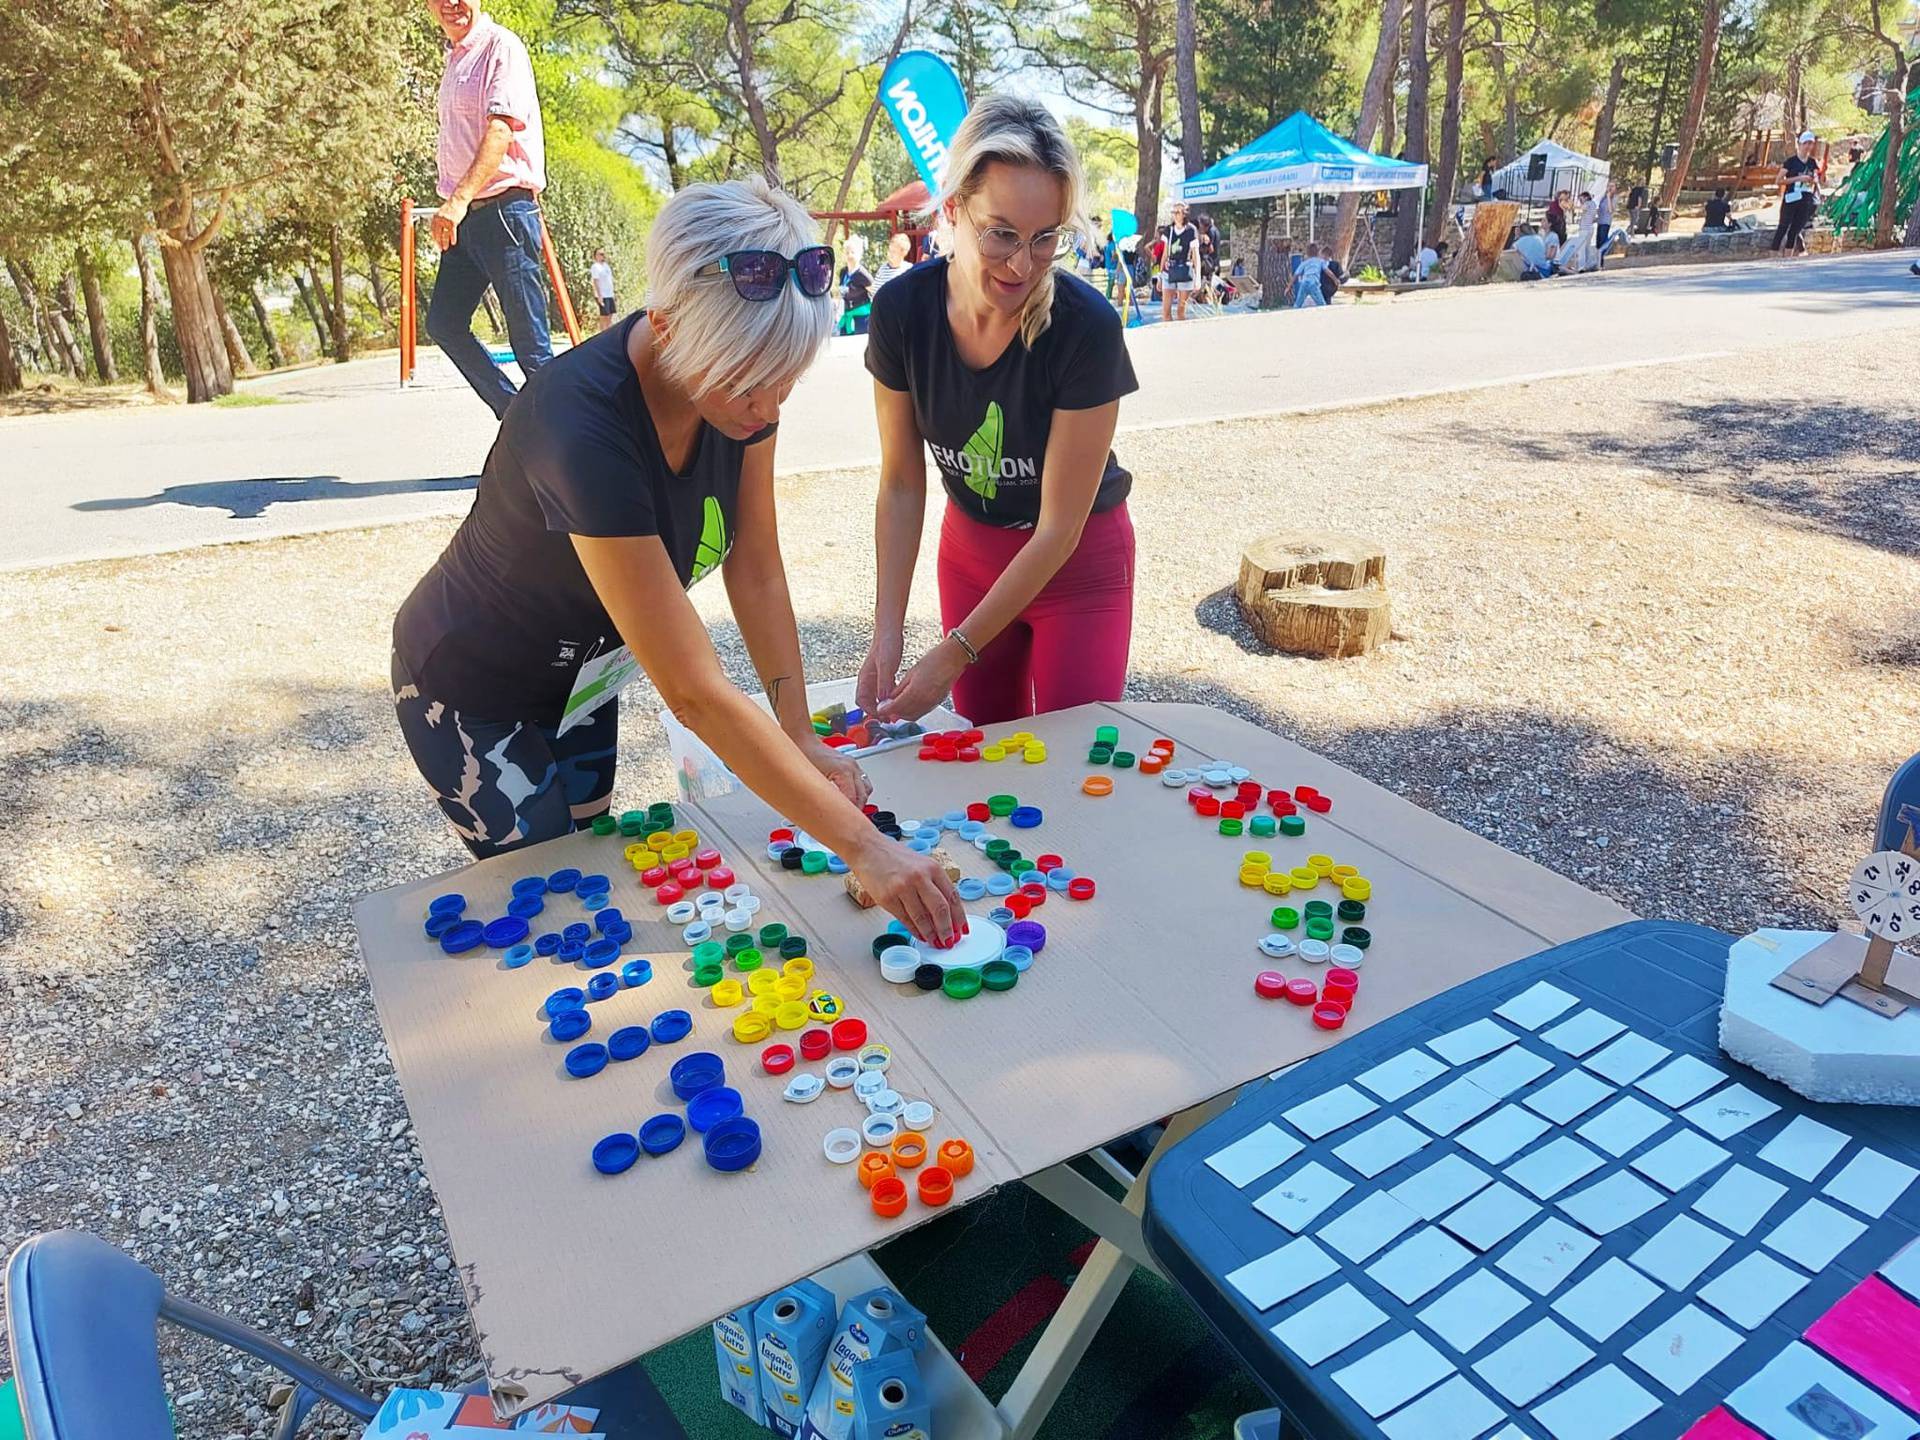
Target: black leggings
(1789,234)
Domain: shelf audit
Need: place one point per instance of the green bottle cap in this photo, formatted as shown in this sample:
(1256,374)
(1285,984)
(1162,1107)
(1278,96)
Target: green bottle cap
(793,947)
(1002,805)
(771,935)
(813,862)
(1021,866)
(998,846)
(1293,825)
(1355,936)
(605,825)
(1352,911)
(1284,917)
(961,983)
(750,959)
(709,952)
(999,975)
(1262,825)
(1099,755)
(1318,929)
(737,943)
(1230,826)
(1317,910)
(1107,735)
(706,975)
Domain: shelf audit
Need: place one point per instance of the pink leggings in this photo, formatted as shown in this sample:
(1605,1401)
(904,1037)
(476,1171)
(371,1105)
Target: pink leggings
(1069,646)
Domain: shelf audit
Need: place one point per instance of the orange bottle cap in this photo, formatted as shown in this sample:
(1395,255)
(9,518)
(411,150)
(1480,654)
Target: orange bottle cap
(956,1156)
(889,1196)
(936,1185)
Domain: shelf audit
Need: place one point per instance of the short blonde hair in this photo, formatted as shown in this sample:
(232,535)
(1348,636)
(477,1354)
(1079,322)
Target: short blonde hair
(1015,131)
(718,340)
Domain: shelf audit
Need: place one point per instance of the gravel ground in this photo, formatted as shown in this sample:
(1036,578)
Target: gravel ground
(1663,641)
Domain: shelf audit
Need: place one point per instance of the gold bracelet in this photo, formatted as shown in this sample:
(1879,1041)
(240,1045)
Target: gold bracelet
(955,635)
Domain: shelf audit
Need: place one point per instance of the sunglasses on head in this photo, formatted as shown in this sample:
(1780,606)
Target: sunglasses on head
(759,274)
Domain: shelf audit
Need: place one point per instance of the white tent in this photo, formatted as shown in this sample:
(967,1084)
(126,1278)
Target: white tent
(1565,170)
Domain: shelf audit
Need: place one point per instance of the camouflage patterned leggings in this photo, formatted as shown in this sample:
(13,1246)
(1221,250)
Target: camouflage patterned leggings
(503,784)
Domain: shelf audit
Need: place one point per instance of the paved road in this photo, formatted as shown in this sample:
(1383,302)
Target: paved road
(346,447)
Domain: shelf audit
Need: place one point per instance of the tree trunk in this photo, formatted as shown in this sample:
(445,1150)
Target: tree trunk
(237,355)
(1187,77)
(29,287)
(1448,177)
(342,340)
(196,324)
(1603,126)
(1505,78)
(1660,100)
(1373,104)
(740,39)
(313,310)
(1790,94)
(1389,119)
(9,364)
(96,315)
(149,319)
(379,286)
(67,324)
(276,357)
(493,313)
(1896,141)
(1147,102)
(1405,232)
(859,152)
(1696,102)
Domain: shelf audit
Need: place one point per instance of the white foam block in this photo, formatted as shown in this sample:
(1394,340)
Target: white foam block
(1680,1251)
(1402,1075)
(1626,1059)
(1804,1147)
(1553,1167)
(1600,1303)
(1503,1134)
(1585,1031)
(1547,1255)
(1600,1406)
(1492,1215)
(1472,1310)
(1470,1042)
(1681,1083)
(1372,1223)
(1251,1156)
(1618,1200)
(1902,1270)
(1282,1274)
(1413,1268)
(1776,1399)
(1329,1324)
(1453,1411)
(1392,1375)
(1623,1125)
(1680,1159)
(1814,1235)
(1431,1192)
(1451,1106)
(1748,1291)
(1381,1147)
(1679,1350)
(1740,1199)
(1533,1362)
(1536,1005)
(1568,1097)
(1297,1201)
(1326,1113)
(1870,1183)
(1512,1069)
(1727,1112)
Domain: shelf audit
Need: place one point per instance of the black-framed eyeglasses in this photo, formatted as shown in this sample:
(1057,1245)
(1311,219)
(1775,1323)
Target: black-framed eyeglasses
(759,274)
(998,242)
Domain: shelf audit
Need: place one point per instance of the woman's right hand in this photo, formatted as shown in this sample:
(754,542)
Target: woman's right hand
(880,671)
(912,887)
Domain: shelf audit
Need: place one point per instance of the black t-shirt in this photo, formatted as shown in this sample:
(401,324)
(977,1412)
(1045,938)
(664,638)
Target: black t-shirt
(1180,242)
(988,429)
(1717,211)
(1796,168)
(502,622)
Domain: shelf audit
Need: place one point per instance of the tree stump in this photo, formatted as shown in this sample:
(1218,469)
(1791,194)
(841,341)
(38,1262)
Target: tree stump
(1315,594)
(1493,221)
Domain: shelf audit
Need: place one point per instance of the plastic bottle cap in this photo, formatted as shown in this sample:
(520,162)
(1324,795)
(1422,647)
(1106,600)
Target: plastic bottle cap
(878,1130)
(814,1044)
(628,1042)
(889,1196)
(517,956)
(872,1166)
(777,1059)
(671,1025)
(662,1133)
(804,1088)
(1270,984)
(710,1107)
(1301,991)
(690,1074)
(602,987)
(616,1153)
(842,1072)
(1080,888)
(752,1027)
(732,1144)
(849,1034)
(1329,1016)
(842,1146)
(570,1025)
(562,881)
(917,1115)
(961,983)
(955,1157)
(936,1185)
(585,1060)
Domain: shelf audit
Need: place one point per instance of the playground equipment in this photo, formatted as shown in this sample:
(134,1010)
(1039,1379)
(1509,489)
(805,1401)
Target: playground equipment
(409,215)
(1856,205)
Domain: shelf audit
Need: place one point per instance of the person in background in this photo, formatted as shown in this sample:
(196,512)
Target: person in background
(1719,211)
(1307,291)
(1799,197)
(1427,261)
(1603,224)
(602,275)
(1209,250)
(492,168)
(1484,190)
(1009,370)
(1109,259)
(1180,263)
(1535,264)
(899,248)
(856,288)
(1332,276)
(1557,216)
(1638,217)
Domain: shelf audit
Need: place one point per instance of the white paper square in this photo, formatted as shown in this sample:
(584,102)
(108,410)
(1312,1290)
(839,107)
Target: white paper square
(1533,1007)
(1402,1075)
(1804,1148)
(1680,1251)
(1533,1362)
(1503,1134)
(1326,1113)
(1425,1259)
(1375,1221)
(1583,1032)
(1251,1156)
(1681,1083)
(1569,1097)
(1814,1235)
(1601,1406)
(1902,1270)
(1470,1042)
(1282,1274)
(1870,1182)
(1431,1192)
(1381,1147)
(1681,1349)
(1622,1125)
(1748,1291)
(1553,1167)
(1451,1106)
(1626,1059)
(1472,1310)
(1492,1215)
(1512,1069)
(1455,1411)
(1727,1112)
(1599,1304)
(1329,1324)
(1680,1159)
(1392,1375)
(1740,1199)
(1547,1255)
(1618,1200)
(1794,1372)
(1296,1202)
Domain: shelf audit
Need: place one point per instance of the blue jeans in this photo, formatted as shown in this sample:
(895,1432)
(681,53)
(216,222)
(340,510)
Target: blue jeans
(497,245)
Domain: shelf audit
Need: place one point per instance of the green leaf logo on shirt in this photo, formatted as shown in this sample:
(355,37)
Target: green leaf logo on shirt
(713,542)
(981,465)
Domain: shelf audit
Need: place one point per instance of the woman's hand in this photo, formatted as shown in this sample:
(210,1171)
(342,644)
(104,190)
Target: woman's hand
(880,671)
(840,768)
(926,684)
(913,887)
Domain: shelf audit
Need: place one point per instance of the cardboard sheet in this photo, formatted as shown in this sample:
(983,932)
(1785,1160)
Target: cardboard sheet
(1136,1009)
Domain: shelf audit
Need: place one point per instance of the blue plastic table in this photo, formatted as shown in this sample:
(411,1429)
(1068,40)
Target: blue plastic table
(1663,980)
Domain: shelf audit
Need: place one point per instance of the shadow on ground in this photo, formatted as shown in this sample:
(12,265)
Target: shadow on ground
(250,499)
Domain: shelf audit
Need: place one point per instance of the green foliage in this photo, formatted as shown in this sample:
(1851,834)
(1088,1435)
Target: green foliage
(1260,61)
(1109,156)
(597,200)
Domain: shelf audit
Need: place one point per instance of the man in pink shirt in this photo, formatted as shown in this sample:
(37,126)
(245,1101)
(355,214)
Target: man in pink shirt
(492,170)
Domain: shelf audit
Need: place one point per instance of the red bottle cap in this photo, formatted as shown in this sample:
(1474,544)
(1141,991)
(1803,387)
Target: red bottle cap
(946,750)
(1318,804)
(1232,810)
(870,808)
(927,752)
(668,893)
(1341,975)
(1302,792)
(656,875)
(889,1196)
(1279,797)
(688,876)
(815,1043)
(1019,904)
(708,858)
(969,752)
(1333,994)
(1283,807)
(972,737)
(1197,793)
(979,810)
(1036,894)
(1046,863)
(1329,1016)
(849,1034)
(1270,984)
(1162,746)
(1080,888)
(777,1059)
(1207,806)
(1249,792)
(1301,992)
(778,836)
(719,877)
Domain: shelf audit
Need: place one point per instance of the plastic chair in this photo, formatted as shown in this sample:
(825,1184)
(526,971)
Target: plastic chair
(1901,807)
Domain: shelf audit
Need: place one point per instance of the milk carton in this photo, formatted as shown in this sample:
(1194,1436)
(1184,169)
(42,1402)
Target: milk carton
(889,1400)
(739,1374)
(875,1323)
(792,1329)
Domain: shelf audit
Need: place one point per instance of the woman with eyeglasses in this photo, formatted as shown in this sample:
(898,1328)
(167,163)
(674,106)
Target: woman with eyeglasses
(624,472)
(1010,372)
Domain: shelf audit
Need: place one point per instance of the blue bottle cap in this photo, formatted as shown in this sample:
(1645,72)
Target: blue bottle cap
(600,952)
(710,1107)
(587,1059)
(970,888)
(776,848)
(530,885)
(446,904)
(569,952)
(856,715)
(561,881)
(732,1144)
(702,1070)
(526,906)
(929,832)
(620,934)
(464,935)
(920,845)
(636,972)
(547,944)
(438,925)
(1019,956)
(507,930)
(570,997)
(972,829)
(628,1041)
(603,986)
(953,819)
(837,866)
(899,927)
(616,1153)
(1024,817)
(593,899)
(1000,915)
(671,1025)
(579,932)
(517,955)
(593,884)
(1001,883)
(570,1024)
(662,1133)
(1059,878)
(606,918)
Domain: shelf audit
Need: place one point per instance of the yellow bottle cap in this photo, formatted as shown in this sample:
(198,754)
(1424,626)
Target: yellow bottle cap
(1034,754)
(726,994)
(659,838)
(993,752)
(1322,864)
(1305,876)
(671,853)
(790,987)
(688,838)
(751,1029)
(800,965)
(1358,888)
(1343,873)
(766,1004)
(791,1015)
(1252,879)
(1257,857)
(1277,882)
(761,982)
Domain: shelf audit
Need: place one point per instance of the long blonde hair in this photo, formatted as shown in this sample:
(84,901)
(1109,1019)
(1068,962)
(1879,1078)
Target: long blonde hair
(1016,132)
